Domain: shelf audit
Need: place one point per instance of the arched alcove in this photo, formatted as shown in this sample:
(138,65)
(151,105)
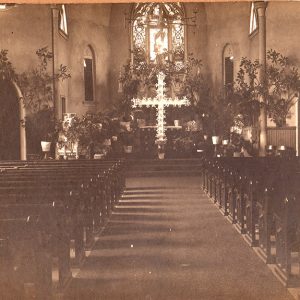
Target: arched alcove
(12,135)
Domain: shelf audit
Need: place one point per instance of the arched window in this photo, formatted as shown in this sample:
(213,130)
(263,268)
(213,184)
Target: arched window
(158,32)
(228,58)
(63,26)
(89,71)
(253,19)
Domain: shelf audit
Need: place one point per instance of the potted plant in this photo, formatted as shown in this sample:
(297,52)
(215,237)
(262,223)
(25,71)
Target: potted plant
(281,88)
(42,127)
(127,139)
(37,89)
(245,94)
(73,132)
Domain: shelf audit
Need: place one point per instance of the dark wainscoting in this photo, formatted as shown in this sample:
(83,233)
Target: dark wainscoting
(282,136)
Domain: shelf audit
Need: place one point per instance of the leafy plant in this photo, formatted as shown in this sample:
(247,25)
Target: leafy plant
(7,72)
(245,97)
(282,87)
(37,84)
(37,89)
(221,115)
(195,86)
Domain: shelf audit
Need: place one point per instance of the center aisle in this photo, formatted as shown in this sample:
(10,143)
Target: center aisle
(166,240)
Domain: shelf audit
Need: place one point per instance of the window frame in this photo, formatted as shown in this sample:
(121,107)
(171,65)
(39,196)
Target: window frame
(253,16)
(89,54)
(63,14)
(135,14)
(227,53)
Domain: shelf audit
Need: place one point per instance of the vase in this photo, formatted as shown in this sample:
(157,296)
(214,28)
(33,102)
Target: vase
(215,139)
(107,142)
(128,149)
(114,138)
(46,146)
(176,123)
(98,156)
(161,155)
(225,142)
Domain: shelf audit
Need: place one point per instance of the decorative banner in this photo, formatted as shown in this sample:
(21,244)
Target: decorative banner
(160,101)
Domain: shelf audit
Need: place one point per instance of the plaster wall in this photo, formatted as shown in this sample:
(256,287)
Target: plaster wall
(227,23)
(23,30)
(120,42)
(88,26)
(197,36)
(62,57)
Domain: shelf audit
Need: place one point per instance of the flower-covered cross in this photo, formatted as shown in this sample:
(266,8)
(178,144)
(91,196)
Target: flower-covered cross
(160,102)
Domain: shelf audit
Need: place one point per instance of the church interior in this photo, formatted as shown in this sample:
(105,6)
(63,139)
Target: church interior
(150,151)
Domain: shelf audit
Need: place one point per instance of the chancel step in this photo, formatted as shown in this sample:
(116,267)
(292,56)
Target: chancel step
(166,167)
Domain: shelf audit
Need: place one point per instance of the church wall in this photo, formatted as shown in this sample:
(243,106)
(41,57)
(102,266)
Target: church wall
(23,30)
(120,39)
(282,21)
(226,23)
(88,26)
(62,56)
(197,36)
(120,45)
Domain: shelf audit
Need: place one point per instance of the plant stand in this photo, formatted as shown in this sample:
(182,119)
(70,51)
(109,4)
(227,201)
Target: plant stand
(46,154)
(46,147)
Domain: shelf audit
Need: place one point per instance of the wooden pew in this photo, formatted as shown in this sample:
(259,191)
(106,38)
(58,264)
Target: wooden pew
(264,201)
(24,259)
(76,187)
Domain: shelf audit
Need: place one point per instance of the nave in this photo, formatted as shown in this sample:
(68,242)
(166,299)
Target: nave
(92,229)
(167,240)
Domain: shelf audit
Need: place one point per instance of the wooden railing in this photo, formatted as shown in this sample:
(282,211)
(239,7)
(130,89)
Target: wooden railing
(282,136)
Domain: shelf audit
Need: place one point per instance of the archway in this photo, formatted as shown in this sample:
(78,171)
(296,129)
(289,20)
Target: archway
(10,133)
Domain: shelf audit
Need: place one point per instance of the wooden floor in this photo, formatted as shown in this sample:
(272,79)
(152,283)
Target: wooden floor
(166,240)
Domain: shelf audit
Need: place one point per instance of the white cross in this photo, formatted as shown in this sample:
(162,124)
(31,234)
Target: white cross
(160,101)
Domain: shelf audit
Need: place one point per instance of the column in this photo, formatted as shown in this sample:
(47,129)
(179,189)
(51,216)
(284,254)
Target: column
(260,7)
(54,36)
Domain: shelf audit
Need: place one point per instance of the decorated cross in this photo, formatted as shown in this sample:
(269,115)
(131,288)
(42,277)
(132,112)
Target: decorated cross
(160,102)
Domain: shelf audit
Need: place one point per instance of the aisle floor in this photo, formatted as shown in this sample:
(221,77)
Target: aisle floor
(166,240)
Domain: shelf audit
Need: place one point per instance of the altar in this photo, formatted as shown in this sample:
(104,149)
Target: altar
(180,143)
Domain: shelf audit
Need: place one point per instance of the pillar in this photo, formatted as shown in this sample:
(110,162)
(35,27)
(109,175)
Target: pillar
(54,50)
(260,7)
(23,148)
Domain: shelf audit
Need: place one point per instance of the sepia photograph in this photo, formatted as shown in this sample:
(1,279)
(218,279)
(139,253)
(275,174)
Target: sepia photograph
(149,150)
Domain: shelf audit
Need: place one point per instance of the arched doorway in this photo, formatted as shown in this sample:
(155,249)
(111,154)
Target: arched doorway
(9,122)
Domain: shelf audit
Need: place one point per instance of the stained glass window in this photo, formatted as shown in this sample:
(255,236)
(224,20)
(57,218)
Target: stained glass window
(158,32)
(253,19)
